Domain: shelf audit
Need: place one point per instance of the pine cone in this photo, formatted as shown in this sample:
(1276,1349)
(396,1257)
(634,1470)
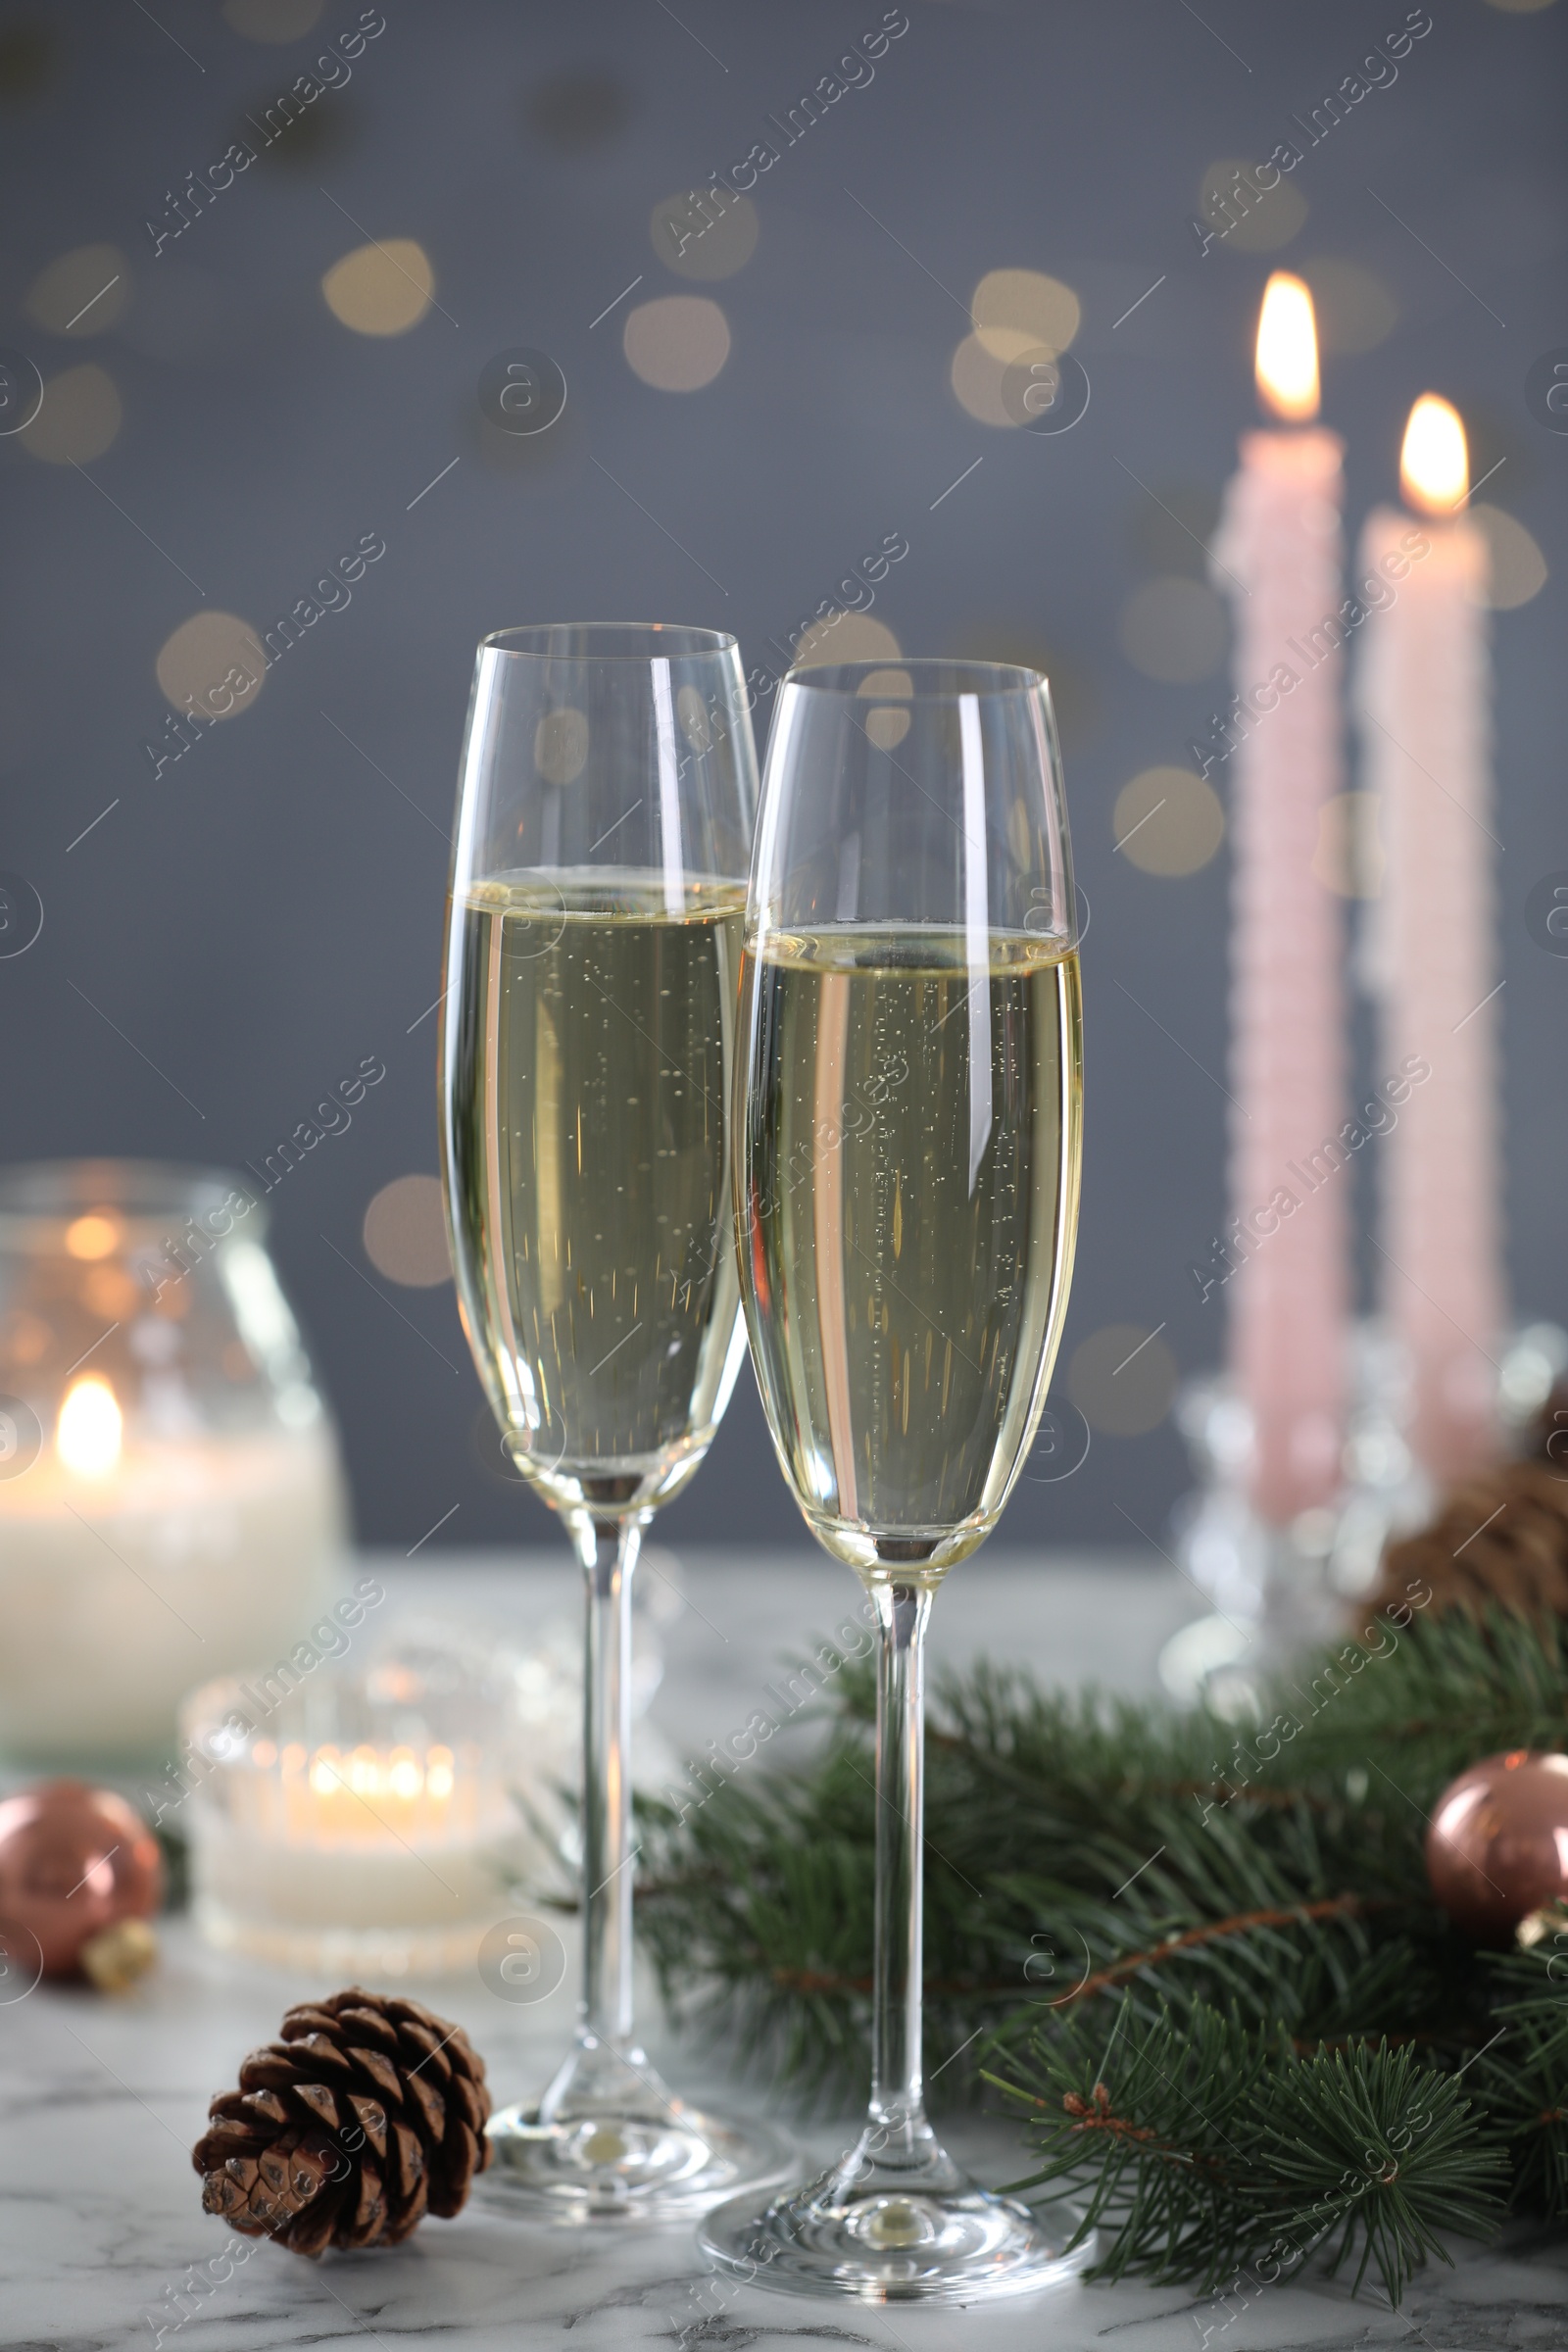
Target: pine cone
(367,2115)
(1503,1536)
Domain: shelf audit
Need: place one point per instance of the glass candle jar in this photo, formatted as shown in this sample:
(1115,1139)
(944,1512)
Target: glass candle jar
(370,1818)
(171,1498)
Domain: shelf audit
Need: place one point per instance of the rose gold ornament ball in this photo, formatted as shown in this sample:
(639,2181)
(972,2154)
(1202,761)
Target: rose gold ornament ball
(1497,1844)
(74,1860)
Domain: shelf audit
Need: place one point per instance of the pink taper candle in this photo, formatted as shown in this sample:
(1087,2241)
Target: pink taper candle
(1278,550)
(1423,697)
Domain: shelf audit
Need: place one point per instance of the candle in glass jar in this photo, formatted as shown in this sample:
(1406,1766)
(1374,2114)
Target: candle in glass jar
(171,1503)
(1424,704)
(1278,549)
(131,1563)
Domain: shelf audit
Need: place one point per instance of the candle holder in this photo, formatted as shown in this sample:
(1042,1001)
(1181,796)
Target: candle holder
(1280,1590)
(170,1498)
(371,1821)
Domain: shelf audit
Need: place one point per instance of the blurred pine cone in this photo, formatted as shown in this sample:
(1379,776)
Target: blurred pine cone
(367,2114)
(1501,1538)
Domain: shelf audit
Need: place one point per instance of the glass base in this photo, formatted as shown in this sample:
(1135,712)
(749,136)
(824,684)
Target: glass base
(887,2233)
(608,2143)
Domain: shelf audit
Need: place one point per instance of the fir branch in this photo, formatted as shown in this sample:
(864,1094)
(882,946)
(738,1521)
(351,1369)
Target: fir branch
(1215,2154)
(1252,1907)
(1133,1964)
(1522,2073)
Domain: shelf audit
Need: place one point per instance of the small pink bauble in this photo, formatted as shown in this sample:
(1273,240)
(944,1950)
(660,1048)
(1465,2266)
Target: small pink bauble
(1497,1844)
(73,1861)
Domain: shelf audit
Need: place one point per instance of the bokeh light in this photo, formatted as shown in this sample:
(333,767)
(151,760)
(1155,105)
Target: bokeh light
(1174,631)
(886,723)
(405,1233)
(560,744)
(677,343)
(1015,310)
(695,238)
(380,289)
(84,292)
(79,418)
(214,662)
(1355,311)
(846,637)
(1272,216)
(1168,822)
(1517,569)
(976,375)
(1122,1378)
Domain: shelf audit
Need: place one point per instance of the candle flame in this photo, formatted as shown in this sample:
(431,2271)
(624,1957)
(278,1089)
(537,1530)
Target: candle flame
(1287,349)
(364,1772)
(88,1433)
(1435,462)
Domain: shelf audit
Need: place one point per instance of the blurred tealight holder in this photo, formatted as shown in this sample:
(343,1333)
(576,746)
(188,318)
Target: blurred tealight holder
(372,1819)
(170,1496)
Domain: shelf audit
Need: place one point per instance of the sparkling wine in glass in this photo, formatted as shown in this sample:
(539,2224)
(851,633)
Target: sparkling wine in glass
(590,1023)
(906,1187)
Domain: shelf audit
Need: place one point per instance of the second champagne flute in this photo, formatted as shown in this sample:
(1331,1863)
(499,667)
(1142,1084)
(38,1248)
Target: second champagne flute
(908,1202)
(593,947)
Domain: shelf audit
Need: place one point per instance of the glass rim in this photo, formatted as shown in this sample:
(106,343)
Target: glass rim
(678,641)
(850,680)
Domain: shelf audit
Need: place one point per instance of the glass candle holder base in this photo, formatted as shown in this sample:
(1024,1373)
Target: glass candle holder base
(889,2232)
(610,2142)
(345,1955)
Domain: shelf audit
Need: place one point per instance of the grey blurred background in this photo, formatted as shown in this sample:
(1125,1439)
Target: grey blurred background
(226,938)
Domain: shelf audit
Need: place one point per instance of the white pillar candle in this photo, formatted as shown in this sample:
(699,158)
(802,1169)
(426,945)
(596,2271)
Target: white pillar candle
(1424,705)
(1278,549)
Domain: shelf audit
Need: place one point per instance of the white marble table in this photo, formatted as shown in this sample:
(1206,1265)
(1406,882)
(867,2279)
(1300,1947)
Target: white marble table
(102,2246)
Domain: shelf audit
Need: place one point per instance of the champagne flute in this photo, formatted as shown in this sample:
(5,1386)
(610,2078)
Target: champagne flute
(906,1207)
(592,961)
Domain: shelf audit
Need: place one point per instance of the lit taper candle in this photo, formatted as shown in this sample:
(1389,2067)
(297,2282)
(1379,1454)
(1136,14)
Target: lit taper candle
(1424,705)
(1279,552)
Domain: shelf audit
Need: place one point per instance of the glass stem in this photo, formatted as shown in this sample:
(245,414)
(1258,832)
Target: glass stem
(897,2091)
(608,1548)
